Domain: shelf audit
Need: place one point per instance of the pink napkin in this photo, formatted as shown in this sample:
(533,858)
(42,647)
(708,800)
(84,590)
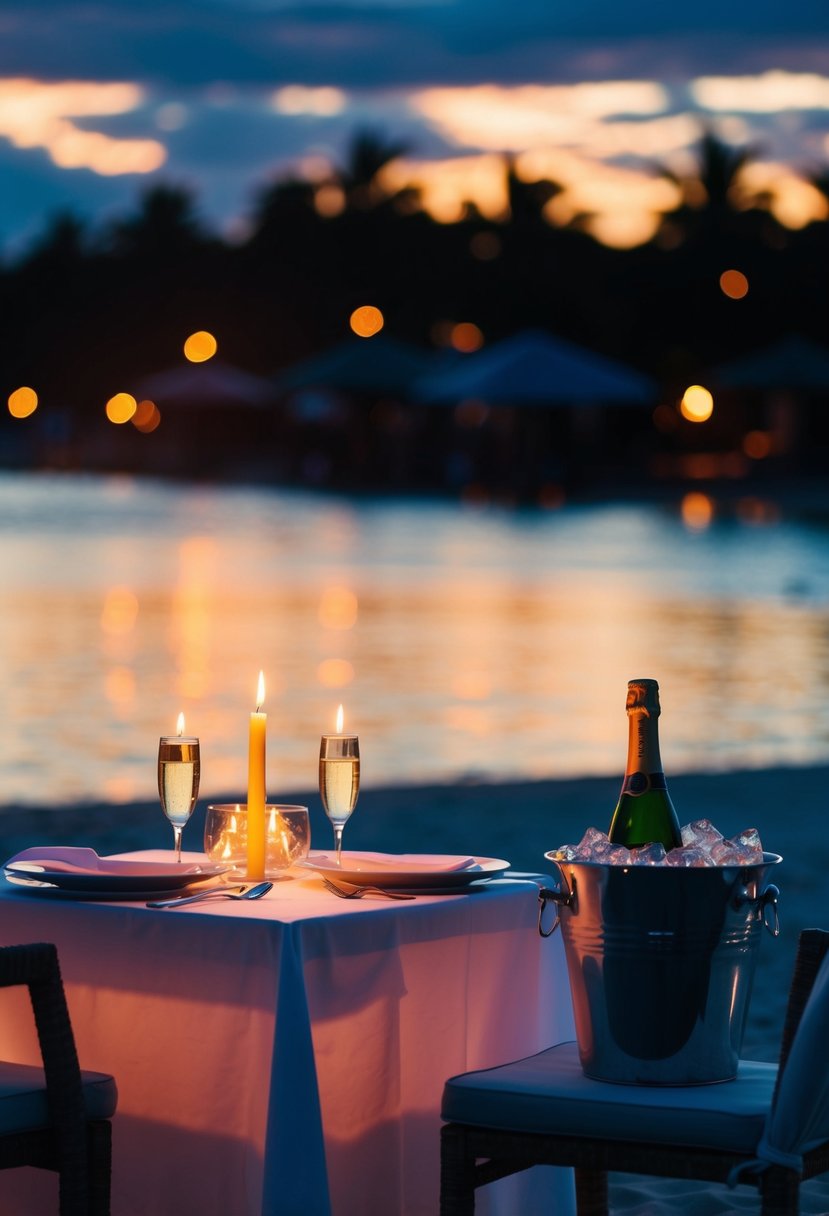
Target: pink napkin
(60,859)
(408,862)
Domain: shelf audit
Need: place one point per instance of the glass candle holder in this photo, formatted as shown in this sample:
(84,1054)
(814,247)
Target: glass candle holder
(287,836)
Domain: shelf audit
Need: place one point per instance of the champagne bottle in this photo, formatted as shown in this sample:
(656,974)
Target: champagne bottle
(644,813)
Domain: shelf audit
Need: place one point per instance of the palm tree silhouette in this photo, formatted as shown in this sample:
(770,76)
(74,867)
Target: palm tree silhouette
(368,154)
(709,197)
(166,226)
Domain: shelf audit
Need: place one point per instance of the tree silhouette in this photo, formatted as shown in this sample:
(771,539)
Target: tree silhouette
(166,226)
(709,194)
(369,152)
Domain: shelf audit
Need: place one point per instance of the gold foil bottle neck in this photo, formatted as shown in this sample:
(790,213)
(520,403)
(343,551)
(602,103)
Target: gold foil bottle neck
(643,695)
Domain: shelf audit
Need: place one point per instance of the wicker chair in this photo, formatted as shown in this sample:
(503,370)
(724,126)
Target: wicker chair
(544,1111)
(55,1117)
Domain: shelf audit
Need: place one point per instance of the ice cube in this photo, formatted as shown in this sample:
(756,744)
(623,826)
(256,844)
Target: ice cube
(648,855)
(617,855)
(701,834)
(749,845)
(689,855)
(566,852)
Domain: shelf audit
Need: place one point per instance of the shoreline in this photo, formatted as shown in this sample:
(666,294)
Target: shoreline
(519,822)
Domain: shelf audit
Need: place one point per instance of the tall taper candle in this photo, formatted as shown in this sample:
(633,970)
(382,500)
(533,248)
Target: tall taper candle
(256,787)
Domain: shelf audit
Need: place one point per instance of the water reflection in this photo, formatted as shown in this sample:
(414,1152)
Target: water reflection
(472,643)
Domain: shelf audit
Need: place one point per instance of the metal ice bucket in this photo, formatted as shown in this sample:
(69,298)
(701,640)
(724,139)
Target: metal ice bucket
(661,962)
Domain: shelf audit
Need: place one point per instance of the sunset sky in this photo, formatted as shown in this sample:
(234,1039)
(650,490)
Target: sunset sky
(100,100)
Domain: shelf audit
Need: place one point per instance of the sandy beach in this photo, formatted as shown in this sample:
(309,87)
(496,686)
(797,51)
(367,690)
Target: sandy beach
(520,822)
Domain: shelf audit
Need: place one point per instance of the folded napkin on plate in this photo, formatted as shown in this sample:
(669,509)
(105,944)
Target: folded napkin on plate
(69,859)
(408,862)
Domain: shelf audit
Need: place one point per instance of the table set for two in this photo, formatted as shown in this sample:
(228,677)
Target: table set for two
(285,1053)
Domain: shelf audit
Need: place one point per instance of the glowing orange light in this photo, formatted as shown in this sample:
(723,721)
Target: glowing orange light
(200,346)
(335,673)
(466,337)
(120,408)
(22,402)
(147,417)
(734,284)
(697,511)
(757,444)
(260,691)
(180,725)
(339,720)
(338,608)
(366,321)
(120,611)
(329,200)
(697,404)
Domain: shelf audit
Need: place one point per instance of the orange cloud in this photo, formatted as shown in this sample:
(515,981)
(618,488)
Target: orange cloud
(38,114)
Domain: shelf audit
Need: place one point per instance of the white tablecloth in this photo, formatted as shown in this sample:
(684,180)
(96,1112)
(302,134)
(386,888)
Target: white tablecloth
(288,1056)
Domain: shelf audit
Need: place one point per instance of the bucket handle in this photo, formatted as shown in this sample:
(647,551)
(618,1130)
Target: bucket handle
(767,899)
(561,899)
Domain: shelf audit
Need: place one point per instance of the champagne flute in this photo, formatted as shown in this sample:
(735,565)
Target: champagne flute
(179,764)
(339,779)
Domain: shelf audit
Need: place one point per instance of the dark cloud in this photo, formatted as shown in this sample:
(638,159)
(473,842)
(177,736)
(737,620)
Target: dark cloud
(193,44)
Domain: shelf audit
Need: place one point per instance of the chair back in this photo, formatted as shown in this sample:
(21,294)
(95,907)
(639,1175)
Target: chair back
(799,1116)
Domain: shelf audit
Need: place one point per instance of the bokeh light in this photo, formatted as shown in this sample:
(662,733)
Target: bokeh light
(734,284)
(120,408)
(697,404)
(366,321)
(338,608)
(200,346)
(120,611)
(22,402)
(335,673)
(147,417)
(697,511)
(466,337)
(329,200)
(757,444)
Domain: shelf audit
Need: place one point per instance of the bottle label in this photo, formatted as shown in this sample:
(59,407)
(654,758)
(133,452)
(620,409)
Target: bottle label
(639,783)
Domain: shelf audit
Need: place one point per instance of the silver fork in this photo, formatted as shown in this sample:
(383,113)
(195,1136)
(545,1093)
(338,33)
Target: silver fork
(349,890)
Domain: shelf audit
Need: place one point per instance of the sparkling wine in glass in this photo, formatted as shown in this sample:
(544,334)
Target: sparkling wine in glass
(339,779)
(178,778)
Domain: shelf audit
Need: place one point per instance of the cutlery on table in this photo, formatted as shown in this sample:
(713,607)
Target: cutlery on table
(254,892)
(349,890)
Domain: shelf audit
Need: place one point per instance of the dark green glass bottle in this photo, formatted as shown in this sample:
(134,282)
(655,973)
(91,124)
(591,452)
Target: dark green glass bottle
(644,813)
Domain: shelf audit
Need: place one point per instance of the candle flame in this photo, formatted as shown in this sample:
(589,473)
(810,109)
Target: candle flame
(260,691)
(340,720)
(180,724)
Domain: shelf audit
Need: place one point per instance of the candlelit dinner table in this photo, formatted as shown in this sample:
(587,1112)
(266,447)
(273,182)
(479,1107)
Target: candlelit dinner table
(288,1055)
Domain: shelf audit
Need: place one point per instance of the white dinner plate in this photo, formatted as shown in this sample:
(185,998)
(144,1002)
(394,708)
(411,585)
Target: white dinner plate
(75,869)
(34,886)
(409,877)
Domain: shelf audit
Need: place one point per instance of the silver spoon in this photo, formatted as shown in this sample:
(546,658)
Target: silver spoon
(255,892)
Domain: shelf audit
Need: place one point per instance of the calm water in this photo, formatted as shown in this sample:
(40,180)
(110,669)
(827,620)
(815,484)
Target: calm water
(463,643)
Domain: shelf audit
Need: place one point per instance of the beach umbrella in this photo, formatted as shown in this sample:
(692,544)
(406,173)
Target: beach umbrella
(535,368)
(359,365)
(794,362)
(206,384)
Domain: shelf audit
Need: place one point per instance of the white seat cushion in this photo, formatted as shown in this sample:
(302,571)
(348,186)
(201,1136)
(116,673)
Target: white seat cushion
(23,1097)
(548,1093)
